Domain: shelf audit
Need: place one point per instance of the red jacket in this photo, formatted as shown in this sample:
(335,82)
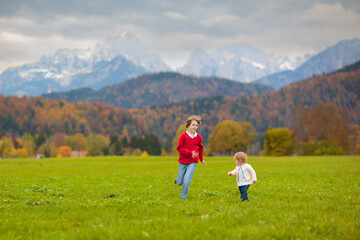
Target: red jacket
(185,147)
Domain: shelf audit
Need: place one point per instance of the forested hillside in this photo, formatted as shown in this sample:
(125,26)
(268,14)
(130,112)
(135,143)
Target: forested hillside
(33,115)
(20,115)
(270,109)
(160,88)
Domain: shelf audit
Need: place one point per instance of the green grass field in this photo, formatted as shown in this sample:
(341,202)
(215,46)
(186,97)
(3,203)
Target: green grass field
(135,198)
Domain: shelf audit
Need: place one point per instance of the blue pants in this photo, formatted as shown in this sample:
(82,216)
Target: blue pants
(243,191)
(186,172)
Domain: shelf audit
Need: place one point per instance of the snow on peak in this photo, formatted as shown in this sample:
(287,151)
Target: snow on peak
(255,64)
(125,35)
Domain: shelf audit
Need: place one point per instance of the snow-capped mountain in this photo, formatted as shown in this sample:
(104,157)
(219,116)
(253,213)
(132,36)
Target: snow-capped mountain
(67,68)
(333,58)
(131,49)
(240,63)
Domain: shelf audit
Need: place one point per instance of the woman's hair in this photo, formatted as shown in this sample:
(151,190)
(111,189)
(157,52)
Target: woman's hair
(241,157)
(192,118)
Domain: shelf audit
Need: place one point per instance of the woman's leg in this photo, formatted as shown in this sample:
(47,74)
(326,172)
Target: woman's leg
(187,179)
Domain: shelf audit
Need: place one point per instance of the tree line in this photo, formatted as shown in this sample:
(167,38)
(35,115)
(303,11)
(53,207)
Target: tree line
(319,130)
(62,145)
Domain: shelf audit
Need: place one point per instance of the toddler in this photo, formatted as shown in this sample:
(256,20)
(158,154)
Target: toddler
(245,174)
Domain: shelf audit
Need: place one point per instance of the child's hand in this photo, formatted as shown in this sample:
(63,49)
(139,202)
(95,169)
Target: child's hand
(194,154)
(229,173)
(254,181)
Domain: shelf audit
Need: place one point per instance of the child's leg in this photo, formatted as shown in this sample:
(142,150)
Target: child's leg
(243,191)
(181,173)
(187,179)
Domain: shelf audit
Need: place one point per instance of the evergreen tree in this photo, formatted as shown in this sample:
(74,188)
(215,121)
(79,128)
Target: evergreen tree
(136,142)
(152,145)
(116,146)
(40,139)
(125,142)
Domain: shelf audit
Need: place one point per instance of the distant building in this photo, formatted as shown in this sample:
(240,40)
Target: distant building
(78,153)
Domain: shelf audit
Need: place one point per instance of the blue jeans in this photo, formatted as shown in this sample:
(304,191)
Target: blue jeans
(186,172)
(243,191)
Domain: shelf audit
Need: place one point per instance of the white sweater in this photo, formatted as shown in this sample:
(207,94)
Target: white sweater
(246,170)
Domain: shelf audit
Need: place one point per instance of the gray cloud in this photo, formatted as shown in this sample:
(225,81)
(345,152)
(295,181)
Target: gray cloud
(33,28)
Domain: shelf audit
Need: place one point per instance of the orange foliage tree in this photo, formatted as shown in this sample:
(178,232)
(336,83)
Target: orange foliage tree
(65,151)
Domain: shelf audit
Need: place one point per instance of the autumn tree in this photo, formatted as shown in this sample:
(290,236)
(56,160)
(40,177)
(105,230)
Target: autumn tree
(278,142)
(59,139)
(29,144)
(65,151)
(21,152)
(248,135)
(6,147)
(230,136)
(98,145)
(324,125)
(76,142)
(182,128)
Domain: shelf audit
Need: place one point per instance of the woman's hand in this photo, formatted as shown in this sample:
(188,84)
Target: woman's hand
(203,162)
(194,154)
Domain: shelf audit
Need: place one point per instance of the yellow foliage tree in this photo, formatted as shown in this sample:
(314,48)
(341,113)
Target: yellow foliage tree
(77,142)
(6,147)
(136,152)
(22,152)
(29,145)
(278,142)
(54,151)
(180,130)
(144,154)
(230,136)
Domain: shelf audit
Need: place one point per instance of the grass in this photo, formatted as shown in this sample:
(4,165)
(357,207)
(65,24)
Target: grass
(135,198)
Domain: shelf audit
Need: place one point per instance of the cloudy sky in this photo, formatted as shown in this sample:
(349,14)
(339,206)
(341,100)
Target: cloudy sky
(30,29)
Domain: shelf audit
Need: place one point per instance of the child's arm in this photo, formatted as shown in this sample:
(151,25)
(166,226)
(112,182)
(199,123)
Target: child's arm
(181,149)
(252,173)
(201,151)
(233,172)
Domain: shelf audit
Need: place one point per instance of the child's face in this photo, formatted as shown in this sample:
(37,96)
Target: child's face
(238,162)
(193,126)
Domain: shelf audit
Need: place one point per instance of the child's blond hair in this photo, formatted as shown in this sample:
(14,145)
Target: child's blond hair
(192,118)
(240,157)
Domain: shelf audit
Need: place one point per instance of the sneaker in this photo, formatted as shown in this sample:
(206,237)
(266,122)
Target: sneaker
(175,181)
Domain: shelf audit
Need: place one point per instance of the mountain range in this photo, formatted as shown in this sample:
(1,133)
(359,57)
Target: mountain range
(160,88)
(114,60)
(342,54)
(275,108)
(239,63)
(123,57)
